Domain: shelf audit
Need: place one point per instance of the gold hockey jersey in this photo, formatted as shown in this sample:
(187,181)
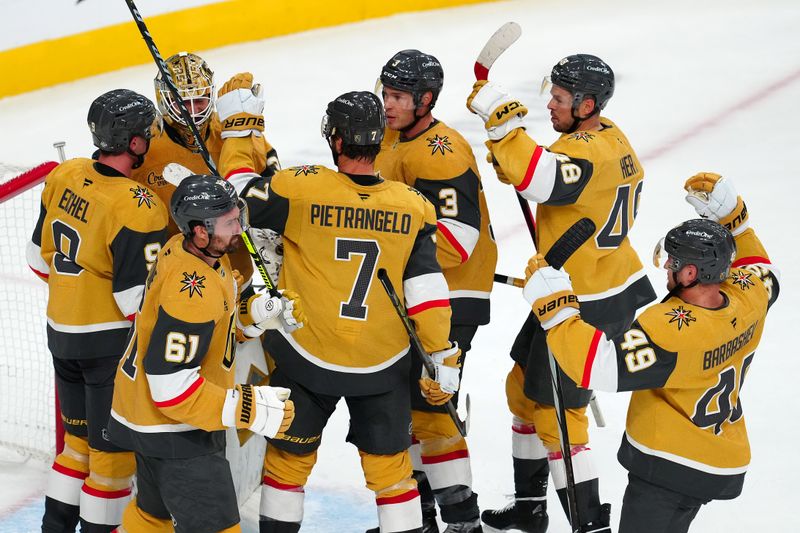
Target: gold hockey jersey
(686,365)
(593,174)
(338,231)
(440,164)
(97,235)
(166,148)
(171,383)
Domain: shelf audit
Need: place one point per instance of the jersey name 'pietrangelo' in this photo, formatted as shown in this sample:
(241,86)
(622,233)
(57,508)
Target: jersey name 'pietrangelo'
(171,382)
(440,164)
(593,174)
(97,235)
(686,365)
(338,231)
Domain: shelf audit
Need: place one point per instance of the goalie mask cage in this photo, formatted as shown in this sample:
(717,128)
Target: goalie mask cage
(28,414)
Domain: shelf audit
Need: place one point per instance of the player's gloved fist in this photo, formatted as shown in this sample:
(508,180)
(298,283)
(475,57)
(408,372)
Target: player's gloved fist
(500,112)
(440,388)
(240,106)
(267,411)
(501,175)
(715,198)
(261,312)
(549,291)
(293,316)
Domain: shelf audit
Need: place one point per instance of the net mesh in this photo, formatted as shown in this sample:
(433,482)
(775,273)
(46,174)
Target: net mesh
(27,419)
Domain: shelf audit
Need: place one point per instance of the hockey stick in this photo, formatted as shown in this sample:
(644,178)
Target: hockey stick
(509,280)
(187,118)
(383,276)
(498,43)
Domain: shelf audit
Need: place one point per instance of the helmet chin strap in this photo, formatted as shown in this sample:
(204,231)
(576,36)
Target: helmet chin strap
(678,287)
(576,120)
(139,157)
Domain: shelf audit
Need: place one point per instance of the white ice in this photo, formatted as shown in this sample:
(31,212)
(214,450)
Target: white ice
(709,85)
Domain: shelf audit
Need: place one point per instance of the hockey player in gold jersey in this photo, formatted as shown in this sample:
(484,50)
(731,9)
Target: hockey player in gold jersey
(174,391)
(685,358)
(590,171)
(426,154)
(174,143)
(339,228)
(97,235)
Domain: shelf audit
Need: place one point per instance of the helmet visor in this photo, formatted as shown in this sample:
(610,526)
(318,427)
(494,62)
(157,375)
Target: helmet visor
(325,127)
(662,259)
(547,84)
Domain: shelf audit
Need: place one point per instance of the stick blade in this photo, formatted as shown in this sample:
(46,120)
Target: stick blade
(569,242)
(504,37)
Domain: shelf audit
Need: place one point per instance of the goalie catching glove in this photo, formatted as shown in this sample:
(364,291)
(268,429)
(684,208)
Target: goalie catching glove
(240,106)
(549,292)
(500,113)
(267,411)
(715,198)
(261,312)
(440,388)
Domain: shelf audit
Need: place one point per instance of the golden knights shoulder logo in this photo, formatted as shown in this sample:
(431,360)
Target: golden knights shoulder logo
(305,170)
(439,144)
(144,196)
(682,316)
(584,136)
(193,283)
(742,279)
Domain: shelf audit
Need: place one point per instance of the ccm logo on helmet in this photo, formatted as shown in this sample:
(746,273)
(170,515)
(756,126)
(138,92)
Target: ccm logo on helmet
(244,121)
(554,304)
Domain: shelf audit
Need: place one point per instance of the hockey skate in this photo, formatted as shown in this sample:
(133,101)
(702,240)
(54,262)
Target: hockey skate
(473,526)
(522,515)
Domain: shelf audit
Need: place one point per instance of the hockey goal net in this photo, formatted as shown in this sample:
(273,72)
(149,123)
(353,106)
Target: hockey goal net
(27,391)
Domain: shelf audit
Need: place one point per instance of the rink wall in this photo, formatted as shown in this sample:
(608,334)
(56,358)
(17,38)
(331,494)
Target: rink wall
(46,42)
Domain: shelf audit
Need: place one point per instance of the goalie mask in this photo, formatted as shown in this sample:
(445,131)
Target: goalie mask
(195,83)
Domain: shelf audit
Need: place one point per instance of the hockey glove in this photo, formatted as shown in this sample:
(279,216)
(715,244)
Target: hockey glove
(439,389)
(267,411)
(497,169)
(715,198)
(500,113)
(549,292)
(261,312)
(240,106)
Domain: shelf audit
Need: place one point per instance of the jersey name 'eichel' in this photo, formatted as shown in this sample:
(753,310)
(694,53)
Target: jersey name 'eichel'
(440,164)
(593,174)
(97,235)
(337,232)
(686,365)
(171,383)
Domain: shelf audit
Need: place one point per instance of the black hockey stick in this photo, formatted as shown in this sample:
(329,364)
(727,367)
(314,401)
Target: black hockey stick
(383,276)
(572,239)
(187,118)
(509,280)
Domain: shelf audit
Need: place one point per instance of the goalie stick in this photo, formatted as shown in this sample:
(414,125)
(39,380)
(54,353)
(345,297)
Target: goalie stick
(383,276)
(187,118)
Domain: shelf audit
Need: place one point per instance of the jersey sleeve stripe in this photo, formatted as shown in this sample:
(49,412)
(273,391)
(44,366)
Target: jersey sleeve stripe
(239,171)
(427,305)
(33,253)
(753,259)
(425,288)
(129,299)
(175,400)
(587,369)
(453,240)
(526,181)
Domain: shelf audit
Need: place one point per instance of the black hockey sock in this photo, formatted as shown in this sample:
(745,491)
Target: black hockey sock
(530,477)
(89,527)
(462,511)
(426,496)
(277,526)
(588,495)
(59,517)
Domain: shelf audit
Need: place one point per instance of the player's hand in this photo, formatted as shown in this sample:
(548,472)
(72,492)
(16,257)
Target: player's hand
(267,411)
(501,175)
(549,292)
(500,112)
(440,388)
(293,316)
(715,198)
(240,106)
(175,173)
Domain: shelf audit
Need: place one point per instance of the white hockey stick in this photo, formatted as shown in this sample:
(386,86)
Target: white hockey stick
(504,37)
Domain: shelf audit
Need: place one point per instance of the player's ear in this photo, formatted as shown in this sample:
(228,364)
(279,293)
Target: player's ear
(426,99)
(338,144)
(690,273)
(587,107)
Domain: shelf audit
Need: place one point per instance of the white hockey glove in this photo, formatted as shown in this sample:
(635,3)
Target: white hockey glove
(174,173)
(261,312)
(549,292)
(240,106)
(267,411)
(715,198)
(270,247)
(440,388)
(500,112)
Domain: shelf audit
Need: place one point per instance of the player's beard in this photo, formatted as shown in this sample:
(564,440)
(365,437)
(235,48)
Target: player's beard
(220,246)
